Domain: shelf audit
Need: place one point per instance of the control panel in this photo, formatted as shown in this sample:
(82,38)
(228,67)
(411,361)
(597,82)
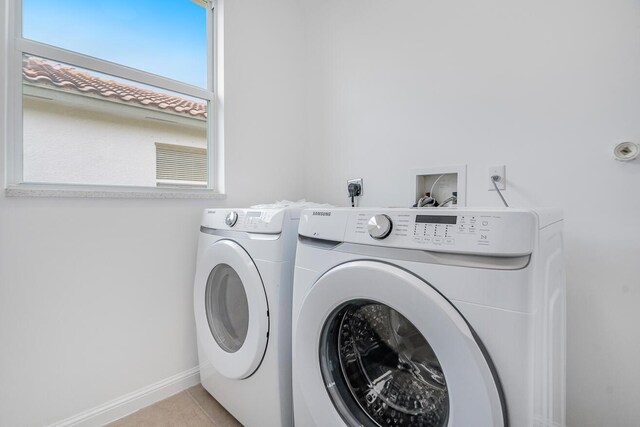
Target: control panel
(265,221)
(497,232)
(444,229)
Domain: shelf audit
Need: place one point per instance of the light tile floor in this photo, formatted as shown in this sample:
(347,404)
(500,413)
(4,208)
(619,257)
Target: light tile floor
(193,407)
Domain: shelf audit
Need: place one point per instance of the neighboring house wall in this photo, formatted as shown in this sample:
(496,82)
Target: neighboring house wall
(73,138)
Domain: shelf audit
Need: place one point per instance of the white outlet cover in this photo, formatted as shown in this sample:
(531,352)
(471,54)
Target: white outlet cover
(359,181)
(501,172)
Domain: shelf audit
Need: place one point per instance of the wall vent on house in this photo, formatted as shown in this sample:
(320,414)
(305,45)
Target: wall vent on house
(181,166)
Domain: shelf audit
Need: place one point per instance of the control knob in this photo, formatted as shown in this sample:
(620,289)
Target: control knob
(231,218)
(379,226)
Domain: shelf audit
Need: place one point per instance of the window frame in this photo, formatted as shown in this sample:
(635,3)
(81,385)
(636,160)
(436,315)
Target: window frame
(17,46)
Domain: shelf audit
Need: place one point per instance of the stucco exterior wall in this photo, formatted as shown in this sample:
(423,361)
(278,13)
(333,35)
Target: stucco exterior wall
(97,143)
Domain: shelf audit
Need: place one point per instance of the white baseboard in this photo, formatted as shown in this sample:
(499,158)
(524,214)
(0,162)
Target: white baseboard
(129,403)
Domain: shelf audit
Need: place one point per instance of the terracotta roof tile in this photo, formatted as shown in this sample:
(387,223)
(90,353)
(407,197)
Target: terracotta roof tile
(44,73)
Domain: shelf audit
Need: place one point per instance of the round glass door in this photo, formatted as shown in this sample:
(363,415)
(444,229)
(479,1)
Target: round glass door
(382,370)
(227,308)
(375,345)
(231,309)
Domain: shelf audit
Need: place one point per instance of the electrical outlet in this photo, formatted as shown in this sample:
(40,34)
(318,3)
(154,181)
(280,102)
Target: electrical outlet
(358,181)
(499,171)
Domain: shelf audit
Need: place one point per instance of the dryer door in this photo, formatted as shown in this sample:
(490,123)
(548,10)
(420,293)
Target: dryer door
(378,346)
(231,310)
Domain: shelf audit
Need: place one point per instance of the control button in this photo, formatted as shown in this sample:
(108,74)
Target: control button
(231,218)
(485,223)
(437,240)
(449,241)
(379,226)
(427,239)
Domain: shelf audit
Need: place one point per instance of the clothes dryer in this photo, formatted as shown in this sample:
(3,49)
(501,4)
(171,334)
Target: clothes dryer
(429,317)
(242,304)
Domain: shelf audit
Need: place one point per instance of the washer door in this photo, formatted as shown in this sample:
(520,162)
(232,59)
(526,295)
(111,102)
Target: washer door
(231,310)
(377,346)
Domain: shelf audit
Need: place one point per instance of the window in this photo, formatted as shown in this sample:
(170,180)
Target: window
(97,84)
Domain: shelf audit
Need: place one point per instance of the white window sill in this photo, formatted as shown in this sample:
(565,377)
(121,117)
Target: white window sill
(80,191)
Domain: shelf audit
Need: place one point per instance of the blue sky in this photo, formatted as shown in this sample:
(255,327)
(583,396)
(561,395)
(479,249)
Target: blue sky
(165,37)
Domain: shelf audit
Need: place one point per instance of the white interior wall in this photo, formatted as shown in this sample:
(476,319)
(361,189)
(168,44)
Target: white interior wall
(545,88)
(96,294)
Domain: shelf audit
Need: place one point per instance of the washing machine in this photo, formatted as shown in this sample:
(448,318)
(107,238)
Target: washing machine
(242,305)
(429,317)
